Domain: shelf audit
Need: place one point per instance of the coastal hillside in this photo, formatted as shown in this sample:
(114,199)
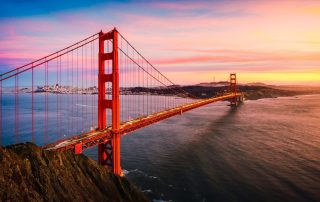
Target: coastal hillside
(29,173)
(253,92)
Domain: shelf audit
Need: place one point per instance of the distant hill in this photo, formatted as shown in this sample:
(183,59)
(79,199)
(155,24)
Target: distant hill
(214,84)
(256,84)
(226,83)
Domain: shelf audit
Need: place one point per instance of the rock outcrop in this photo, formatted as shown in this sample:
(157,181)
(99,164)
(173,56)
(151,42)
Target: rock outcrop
(29,173)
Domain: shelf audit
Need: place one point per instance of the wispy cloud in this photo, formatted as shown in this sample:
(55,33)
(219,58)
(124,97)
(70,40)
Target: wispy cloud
(187,36)
(238,56)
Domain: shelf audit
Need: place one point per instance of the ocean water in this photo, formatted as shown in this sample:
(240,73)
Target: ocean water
(67,115)
(264,150)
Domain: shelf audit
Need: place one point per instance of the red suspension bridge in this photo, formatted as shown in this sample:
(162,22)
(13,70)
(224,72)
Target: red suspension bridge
(90,94)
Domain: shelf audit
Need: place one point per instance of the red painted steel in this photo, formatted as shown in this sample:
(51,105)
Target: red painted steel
(78,148)
(97,137)
(116,107)
(114,104)
(153,97)
(233,88)
(102,156)
(101,86)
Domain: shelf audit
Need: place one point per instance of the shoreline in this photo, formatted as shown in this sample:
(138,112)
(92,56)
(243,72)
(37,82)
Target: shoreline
(257,96)
(251,92)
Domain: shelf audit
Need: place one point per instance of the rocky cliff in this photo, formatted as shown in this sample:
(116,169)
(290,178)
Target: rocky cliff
(29,173)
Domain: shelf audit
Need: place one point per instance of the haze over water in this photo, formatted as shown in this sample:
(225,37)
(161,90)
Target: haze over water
(265,150)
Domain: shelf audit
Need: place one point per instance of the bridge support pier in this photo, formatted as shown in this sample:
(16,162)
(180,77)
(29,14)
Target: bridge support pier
(109,152)
(236,101)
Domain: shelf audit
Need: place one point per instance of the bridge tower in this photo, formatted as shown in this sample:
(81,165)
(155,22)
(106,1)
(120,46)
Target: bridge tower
(109,151)
(233,89)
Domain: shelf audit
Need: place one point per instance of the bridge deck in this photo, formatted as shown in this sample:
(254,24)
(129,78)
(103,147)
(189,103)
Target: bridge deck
(96,137)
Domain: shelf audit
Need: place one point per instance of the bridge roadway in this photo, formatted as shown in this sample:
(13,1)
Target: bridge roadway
(95,137)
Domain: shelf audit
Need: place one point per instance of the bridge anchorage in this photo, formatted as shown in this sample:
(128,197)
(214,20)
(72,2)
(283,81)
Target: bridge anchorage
(91,94)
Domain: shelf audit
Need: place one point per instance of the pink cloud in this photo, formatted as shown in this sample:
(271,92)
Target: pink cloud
(240,56)
(194,59)
(267,35)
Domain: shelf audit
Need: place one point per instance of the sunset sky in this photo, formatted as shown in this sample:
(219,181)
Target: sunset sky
(276,42)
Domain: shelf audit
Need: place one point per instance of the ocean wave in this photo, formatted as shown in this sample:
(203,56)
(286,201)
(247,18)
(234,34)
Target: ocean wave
(126,172)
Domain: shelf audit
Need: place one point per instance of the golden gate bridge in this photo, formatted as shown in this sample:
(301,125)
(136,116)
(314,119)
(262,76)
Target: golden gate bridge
(90,94)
